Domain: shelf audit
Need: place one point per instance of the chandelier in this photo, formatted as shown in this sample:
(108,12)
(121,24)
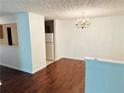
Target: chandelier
(82,22)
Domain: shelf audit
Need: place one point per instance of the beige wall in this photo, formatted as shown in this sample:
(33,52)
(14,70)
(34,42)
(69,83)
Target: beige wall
(4,41)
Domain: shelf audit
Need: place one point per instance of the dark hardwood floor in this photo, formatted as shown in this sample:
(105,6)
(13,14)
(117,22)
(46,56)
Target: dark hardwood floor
(63,76)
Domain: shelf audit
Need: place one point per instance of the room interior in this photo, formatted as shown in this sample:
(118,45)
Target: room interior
(62,46)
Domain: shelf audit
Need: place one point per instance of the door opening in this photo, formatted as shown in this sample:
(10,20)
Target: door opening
(50,43)
(9,34)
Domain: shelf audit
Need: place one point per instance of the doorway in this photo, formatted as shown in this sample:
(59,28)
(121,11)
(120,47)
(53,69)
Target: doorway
(50,41)
(9,34)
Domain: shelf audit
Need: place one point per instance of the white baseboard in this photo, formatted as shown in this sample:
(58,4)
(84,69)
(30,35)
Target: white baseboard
(13,67)
(36,70)
(105,60)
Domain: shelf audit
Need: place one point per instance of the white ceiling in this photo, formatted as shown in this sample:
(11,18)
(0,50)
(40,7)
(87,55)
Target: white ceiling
(63,8)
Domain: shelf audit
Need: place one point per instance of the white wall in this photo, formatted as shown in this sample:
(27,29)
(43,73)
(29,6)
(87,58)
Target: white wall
(9,55)
(37,37)
(104,38)
(7,19)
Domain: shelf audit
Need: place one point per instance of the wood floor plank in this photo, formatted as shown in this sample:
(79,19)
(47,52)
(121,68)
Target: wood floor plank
(62,76)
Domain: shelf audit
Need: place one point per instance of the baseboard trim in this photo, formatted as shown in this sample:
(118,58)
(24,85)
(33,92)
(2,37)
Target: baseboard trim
(105,60)
(16,68)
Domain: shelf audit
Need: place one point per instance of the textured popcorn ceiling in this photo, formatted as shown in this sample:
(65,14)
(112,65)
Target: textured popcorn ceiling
(63,8)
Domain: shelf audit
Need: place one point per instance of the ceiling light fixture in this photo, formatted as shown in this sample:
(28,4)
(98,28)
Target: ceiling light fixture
(82,22)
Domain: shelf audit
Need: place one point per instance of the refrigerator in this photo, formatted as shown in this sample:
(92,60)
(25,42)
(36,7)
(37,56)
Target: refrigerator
(50,51)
